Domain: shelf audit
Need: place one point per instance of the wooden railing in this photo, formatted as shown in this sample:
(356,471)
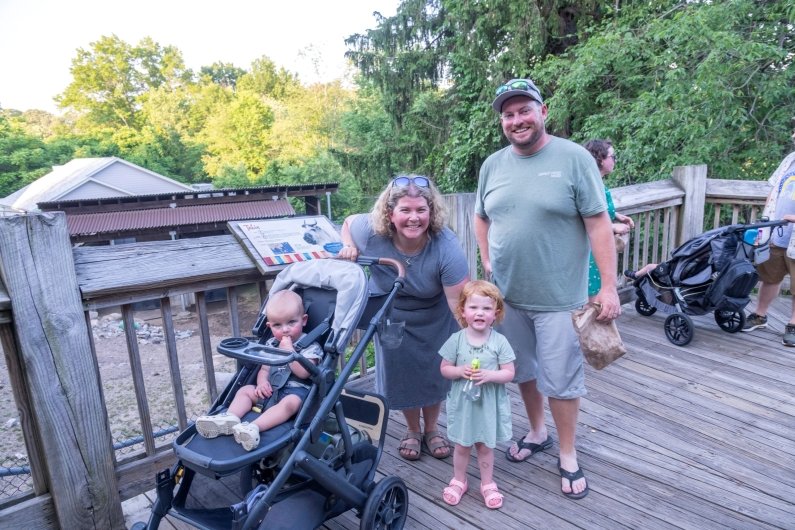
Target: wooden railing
(76,479)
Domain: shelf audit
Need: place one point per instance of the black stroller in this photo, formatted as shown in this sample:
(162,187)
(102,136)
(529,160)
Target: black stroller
(323,462)
(712,272)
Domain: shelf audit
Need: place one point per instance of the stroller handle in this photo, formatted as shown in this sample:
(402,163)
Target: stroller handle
(764,224)
(389,262)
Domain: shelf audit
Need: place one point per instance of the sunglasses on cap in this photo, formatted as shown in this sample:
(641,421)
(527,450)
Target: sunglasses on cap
(420,182)
(519,84)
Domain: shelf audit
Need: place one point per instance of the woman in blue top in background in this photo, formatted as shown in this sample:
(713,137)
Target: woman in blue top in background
(408,223)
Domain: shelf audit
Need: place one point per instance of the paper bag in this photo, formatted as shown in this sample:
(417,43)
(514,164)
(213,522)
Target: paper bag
(600,341)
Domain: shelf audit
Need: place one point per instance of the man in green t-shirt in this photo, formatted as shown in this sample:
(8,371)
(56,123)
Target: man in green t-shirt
(540,208)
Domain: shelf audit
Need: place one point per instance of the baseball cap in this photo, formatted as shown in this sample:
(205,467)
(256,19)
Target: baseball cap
(516,87)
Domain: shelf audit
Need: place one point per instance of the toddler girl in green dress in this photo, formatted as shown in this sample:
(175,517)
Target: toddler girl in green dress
(484,420)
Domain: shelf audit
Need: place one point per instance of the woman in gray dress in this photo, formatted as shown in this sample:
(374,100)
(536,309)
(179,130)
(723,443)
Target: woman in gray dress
(408,223)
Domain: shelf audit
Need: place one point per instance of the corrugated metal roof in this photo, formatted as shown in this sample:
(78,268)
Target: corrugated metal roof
(98,223)
(253,192)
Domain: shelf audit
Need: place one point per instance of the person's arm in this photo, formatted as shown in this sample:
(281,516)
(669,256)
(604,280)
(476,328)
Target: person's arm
(348,250)
(603,247)
(453,372)
(481,225)
(452,292)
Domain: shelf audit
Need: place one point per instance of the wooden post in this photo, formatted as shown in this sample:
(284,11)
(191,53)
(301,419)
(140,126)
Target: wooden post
(67,411)
(461,207)
(693,181)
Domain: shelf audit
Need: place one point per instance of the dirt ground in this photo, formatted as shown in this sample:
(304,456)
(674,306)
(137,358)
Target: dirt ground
(115,375)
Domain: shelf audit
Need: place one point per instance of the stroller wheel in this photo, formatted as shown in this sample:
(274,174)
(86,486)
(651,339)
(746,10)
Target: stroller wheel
(730,321)
(679,329)
(643,307)
(387,505)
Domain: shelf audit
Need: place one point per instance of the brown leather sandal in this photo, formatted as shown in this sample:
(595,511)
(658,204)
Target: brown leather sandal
(440,448)
(410,446)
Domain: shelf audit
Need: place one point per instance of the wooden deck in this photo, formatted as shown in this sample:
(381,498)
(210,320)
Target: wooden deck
(701,436)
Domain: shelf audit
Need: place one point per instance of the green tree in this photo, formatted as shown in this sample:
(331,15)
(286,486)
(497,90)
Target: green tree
(266,79)
(24,157)
(685,84)
(365,144)
(110,80)
(224,74)
(671,82)
(451,54)
(239,133)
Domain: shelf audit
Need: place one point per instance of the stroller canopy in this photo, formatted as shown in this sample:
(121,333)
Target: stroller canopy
(345,277)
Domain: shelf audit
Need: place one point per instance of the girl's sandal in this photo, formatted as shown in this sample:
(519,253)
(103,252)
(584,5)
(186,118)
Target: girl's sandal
(491,495)
(454,491)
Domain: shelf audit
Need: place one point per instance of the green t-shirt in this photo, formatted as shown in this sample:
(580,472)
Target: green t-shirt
(538,245)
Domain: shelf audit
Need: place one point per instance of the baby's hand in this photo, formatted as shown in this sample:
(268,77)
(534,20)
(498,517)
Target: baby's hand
(264,390)
(286,343)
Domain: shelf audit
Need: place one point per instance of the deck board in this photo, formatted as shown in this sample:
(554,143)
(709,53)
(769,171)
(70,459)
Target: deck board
(700,436)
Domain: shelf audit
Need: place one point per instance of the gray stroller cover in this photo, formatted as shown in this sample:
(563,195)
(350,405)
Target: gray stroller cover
(346,277)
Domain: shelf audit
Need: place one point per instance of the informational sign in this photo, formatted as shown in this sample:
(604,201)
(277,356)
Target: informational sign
(273,243)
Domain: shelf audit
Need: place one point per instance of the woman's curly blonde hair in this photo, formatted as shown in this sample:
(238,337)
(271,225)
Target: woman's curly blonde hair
(481,288)
(389,198)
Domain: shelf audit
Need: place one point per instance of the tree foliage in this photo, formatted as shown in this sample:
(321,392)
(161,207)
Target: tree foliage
(693,83)
(670,82)
(111,79)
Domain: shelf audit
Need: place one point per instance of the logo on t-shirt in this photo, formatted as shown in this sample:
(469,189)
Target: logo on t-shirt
(551,174)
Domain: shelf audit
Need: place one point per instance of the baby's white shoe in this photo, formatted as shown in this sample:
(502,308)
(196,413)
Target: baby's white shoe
(211,426)
(247,435)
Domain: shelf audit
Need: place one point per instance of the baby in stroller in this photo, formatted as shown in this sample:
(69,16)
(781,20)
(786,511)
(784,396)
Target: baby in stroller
(285,387)
(322,459)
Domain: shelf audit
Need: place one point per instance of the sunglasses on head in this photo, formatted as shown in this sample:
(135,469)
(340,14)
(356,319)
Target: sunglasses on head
(420,182)
(519,84)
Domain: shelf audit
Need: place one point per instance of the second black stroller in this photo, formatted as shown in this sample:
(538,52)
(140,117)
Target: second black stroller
(711,272)
(323,462)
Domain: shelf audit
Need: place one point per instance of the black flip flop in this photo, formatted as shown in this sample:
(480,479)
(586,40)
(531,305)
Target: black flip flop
(572,477)
(534,448)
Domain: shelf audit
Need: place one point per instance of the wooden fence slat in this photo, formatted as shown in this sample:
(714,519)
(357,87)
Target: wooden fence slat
(207,349)
(22,398)
(234,318)
(173,362)
(128,319)
(37,269)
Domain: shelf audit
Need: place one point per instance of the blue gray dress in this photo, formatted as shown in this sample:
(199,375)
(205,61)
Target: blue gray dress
(409,375)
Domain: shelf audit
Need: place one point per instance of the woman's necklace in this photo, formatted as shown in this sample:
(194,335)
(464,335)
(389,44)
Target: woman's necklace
(409,257)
